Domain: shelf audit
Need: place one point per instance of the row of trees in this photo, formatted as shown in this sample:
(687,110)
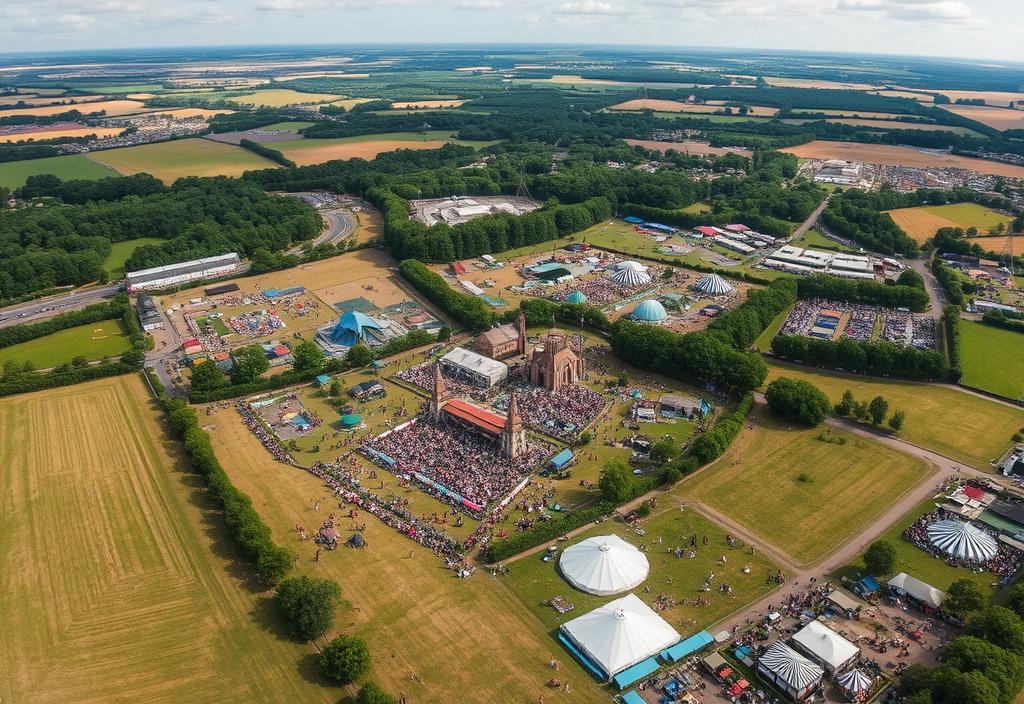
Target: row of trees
(880,358)
(741,326)
(874,410)
(854,216)
(470,311)
(865,291)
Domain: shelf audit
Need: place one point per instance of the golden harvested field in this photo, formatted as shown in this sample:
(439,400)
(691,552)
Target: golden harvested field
(919,97)
(169,161)
(849,113)
(281,97)
(30,100)
(183,113)
(688,147)
(815,83)
(991,97)
(991,115)
(126,587)
(996,244)
(411,105)
(676,106)
(922,222)
(898,156)
(43,133)
(113,108)
(577,80)
(140,96)
(316,151)
(919,223)
(347,103)
(466,640)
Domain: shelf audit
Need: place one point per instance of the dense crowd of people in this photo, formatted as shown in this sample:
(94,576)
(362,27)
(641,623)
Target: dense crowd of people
(1007,560)
(899,327)
(256,323)
(562,414)
(266,438)
(460,460)
(422,375)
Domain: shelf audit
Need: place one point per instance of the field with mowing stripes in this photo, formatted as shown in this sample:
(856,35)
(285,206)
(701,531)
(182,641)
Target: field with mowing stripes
(102,340)
(992,359)
(120,584)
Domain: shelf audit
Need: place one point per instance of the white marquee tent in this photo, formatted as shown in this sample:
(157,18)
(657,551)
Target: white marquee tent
(631,273)
(620,634)
(962,540)
(855,682)
(713,285)
(603,565)
(826,646)
(789,670)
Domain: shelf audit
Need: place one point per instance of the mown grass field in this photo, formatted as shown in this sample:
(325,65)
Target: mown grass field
(466,640)
(93,341)
(803,495)
(535,581)
(169,161)
(993,359)
(918,563)
(120,251)
(954,423)
(282,97)
(13,174)
(126,587)
(922,222)
(317,151)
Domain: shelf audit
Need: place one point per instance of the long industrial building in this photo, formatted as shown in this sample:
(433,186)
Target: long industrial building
(174,274)
(810,261)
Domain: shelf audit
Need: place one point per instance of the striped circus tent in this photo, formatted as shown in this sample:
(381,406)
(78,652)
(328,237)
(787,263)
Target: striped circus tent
(855,682)
(789,670)
(631,274)
(713,285)
(962,540)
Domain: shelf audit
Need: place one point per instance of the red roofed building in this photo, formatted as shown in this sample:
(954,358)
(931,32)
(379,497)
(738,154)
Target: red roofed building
(458,268)
(973,493)
(481,419)
(706,231)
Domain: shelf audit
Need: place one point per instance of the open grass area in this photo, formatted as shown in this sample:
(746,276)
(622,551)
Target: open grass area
(916,562)
(814,239)
(93,341)
(120,251)
(764,341)
(466,640)
(993,359)
(127,587)
(13,174)
(535,581)
(802,494)
(954,423)
(317,151)
(169,161)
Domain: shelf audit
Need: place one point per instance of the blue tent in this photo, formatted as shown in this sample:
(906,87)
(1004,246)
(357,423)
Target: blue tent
(634,220)
(576,297)
(322,379)
(686,647)
(561,459)
(350,327)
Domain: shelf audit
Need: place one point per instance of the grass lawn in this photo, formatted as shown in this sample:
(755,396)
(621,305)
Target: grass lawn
(918,563)
(120,251)
(993,359)
(965,427)
(803,495)
(93,341)
(816,240)
(764,341)
(316,151)
(970,215)
(218,325)
(697,208)
(13,174)
(467,640)
(169,161)
(535,581)
(127,587)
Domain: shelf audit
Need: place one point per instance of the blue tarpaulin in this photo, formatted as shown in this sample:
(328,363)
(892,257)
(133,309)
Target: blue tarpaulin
(631,697)
(634,220)
(635,673)
(659,227)
(683,648)
(571,647)
(322,379)
(561,459)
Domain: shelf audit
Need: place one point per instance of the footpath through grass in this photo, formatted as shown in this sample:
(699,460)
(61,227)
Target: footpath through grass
(93,341)
(681,578)
(993,359)
(954,423)
(803,494)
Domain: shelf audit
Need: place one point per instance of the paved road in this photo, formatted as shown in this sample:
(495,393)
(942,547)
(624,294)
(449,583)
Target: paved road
(52,305)
(811,219)
(936,296)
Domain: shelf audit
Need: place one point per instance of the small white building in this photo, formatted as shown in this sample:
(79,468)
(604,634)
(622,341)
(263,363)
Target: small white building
(473,367)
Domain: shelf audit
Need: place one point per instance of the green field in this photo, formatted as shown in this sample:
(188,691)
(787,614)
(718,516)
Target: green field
(218,325)
(697,208)
(13,174)
(803,495)
(317,151)
(970,215)
(169,161)
(710,117)
(93,341)
(916,562)
(535,581)
(814,239)
(120,251)
(113,90)
(963,426)
(993,359)
(764,342)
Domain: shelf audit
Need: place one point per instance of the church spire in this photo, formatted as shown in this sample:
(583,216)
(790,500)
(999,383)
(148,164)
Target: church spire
(440,394)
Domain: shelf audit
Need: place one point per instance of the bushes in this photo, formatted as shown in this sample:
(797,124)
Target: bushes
(740,327)
(248,531)
(856,214)
(998,319)
(544,531)
(371,693)
(875,358)
(471,311)
(798,400)
(951,339)
(713,443)
(862,291)
(540,311)
(950,281)
(345,659)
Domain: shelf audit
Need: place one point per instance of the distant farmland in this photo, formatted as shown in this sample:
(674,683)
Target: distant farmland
(113,108)
(687,147)
(899,156)
(169,161)
(73,166)
(995,117)
(922,222)
(703,108)
(316,151)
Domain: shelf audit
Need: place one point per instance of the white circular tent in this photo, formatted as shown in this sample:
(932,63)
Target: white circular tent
(855,682)
(603,565)
(962,540)
(631,273)
(713,285)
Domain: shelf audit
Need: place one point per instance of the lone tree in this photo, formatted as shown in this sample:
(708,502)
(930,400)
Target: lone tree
(878,408)
(896,422)
(798,400)
(250,362)
(616,483)
(371,693)
(664,451)
(207,377)
(309,358)
(359,355)
(345,659)
(880,558)
(963,597)
(845,406)
(308,605)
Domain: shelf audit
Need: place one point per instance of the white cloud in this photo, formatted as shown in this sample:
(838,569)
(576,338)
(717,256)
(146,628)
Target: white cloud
(913,10)
(479,4)
(588,7)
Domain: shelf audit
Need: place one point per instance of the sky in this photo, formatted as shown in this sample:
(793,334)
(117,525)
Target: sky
(984,29)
